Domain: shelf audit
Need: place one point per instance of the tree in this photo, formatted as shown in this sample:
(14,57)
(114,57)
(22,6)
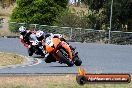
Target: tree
(94,4)
(38,11)
(121,12)
(62,3)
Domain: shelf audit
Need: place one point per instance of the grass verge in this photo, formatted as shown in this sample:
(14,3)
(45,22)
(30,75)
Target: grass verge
(65,81)
(7,33)
(7,59)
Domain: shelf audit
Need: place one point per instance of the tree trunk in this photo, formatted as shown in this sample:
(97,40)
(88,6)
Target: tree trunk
(78,3)
(130,25)
(75,2)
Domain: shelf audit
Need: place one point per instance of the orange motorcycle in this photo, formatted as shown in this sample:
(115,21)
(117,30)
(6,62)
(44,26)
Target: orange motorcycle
(60,51)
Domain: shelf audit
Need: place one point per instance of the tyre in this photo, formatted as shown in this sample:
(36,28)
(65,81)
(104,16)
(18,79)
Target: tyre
(50,59)
(81,80)
(30,52)
(47,60)
(64,59)
(78,62)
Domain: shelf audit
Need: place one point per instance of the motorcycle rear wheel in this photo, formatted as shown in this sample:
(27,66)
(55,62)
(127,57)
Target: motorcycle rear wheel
(64,59)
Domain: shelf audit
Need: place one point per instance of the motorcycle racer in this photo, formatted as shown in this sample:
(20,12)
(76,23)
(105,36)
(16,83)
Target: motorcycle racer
(26,36)
(41,36)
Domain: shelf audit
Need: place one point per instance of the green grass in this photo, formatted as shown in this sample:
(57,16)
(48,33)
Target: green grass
(10,59)
(50,85)
(51,82)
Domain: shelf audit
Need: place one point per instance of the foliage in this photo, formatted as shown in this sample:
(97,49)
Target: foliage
(94,4)
(62,3)
(122,14)
(38,11)
(73,18)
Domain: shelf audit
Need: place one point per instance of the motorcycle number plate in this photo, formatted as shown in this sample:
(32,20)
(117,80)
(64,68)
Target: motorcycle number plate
(49,42)
(34,43)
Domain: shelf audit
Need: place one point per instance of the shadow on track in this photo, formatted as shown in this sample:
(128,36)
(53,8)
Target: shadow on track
(58,66)
(41,57)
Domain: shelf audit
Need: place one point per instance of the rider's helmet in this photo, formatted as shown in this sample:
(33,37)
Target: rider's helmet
(40,35)
(22,30)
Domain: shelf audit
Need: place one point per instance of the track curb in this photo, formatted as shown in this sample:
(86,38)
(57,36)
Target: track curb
(9,36)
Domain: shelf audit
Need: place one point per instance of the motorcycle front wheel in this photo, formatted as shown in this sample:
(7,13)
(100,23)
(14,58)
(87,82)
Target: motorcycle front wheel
(78,61)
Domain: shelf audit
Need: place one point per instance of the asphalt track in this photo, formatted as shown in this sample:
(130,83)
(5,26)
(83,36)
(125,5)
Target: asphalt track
(97,58)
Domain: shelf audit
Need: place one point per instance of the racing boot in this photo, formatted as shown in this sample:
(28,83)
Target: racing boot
(42,48)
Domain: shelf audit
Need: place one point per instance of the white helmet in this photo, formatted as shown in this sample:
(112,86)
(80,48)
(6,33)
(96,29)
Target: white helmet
(39,33)
(22,29)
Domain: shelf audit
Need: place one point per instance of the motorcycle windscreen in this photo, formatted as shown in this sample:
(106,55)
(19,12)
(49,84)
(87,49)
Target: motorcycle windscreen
(51,44)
